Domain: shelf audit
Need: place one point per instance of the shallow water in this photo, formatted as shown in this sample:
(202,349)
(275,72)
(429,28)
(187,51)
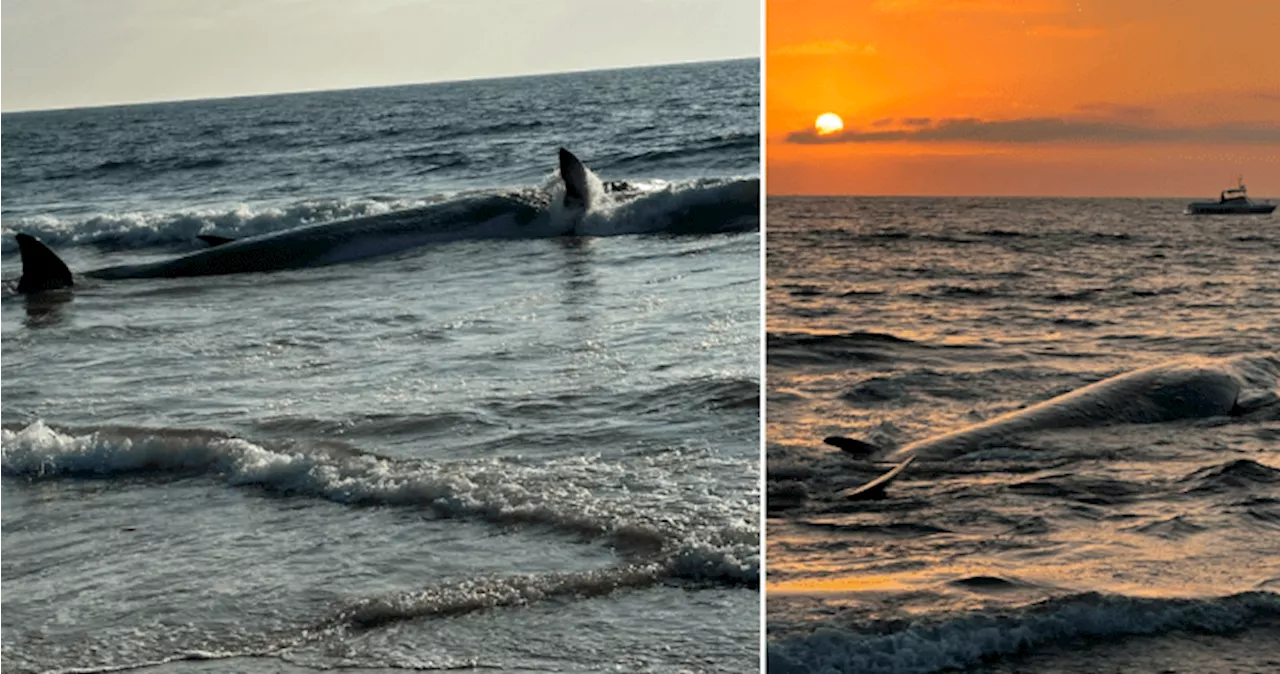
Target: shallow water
(895,320)
(517,453)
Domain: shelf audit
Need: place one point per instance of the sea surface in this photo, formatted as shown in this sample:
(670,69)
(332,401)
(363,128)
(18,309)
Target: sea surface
(510,449)
(1104,547)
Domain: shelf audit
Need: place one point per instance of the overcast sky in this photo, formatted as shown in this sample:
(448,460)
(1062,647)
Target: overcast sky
(74,53)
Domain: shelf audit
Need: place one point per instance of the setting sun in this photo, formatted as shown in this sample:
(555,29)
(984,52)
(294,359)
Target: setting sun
(827,123)
(1026,97)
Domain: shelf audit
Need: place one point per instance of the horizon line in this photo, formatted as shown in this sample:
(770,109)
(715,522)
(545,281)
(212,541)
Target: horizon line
(986,196)
(483,78)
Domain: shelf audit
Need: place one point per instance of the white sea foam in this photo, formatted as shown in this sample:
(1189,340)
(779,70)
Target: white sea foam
(486,593)
(145,229)
(566,496)
(696,205)
(966,641)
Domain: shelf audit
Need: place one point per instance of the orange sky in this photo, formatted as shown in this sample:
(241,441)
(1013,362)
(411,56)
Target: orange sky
(1024,97)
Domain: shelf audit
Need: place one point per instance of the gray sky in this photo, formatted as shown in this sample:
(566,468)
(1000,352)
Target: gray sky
(74,53)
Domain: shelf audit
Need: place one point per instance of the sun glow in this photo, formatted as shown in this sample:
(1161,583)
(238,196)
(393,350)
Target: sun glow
(827,123)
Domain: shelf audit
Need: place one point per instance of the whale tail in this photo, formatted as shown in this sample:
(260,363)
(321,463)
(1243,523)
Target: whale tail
(574,175)
(41,269)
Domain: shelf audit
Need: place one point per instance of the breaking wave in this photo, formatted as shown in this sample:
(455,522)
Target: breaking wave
(970,639)
(701,206)
(711,540)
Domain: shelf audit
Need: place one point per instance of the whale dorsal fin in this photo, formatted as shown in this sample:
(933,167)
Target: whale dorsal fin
(852,446)
(41,268)
(875,489)
(574,175)
(214,240)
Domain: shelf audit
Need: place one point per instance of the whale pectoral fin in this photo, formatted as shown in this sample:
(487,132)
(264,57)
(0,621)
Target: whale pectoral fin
(214,240)
(574,175)
(41,268)
(875,489)
(852,446)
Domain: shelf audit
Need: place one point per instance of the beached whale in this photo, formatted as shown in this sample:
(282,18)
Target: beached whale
(1179,390)
(333,242)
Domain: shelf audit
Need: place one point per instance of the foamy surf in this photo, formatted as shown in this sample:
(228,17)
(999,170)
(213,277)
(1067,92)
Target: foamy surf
(135,230)
(576,497)
(967,640)
(489,593)
(654,207)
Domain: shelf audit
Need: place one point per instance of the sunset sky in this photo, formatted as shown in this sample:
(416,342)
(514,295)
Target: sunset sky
(74,53)
(1024,97)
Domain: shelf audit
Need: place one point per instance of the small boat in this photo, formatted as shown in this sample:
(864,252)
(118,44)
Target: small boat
(1234,201)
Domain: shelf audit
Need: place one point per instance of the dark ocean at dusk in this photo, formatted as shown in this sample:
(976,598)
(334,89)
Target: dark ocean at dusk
(1134,526)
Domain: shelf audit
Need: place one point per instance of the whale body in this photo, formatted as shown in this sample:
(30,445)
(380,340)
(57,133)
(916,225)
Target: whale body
(1185,389)
(329,242)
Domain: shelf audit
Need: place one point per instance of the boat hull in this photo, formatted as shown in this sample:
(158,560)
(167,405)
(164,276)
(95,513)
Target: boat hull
(1211,208)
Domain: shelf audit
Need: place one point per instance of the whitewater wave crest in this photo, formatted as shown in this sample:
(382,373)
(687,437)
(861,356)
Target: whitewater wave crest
(626,504)
(685,207)
(965,641)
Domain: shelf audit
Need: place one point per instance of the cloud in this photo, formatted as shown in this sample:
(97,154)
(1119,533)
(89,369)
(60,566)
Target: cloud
(1044,130)
(1116,110)
(825,48)
(974,6)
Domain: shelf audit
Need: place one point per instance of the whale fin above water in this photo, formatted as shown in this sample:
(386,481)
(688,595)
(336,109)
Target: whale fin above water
(214,240)
(852,446)
(42,269)
(574,175)
(875,489)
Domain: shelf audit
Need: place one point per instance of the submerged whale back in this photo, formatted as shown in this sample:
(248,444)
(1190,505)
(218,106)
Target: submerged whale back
(1191,389)
(346,240)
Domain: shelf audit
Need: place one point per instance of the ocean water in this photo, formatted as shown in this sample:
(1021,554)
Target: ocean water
(486,444)
(1090,544)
